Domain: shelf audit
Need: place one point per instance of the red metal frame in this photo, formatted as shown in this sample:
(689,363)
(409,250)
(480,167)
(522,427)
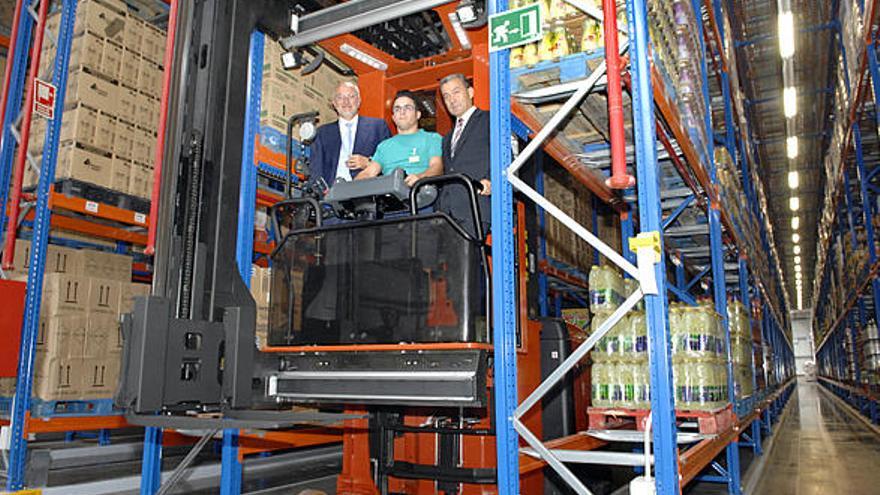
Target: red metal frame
(21,157)
(10,45)
(619,178)
(163,113)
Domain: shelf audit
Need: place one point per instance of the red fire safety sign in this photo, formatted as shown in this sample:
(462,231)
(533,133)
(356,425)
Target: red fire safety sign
(44,99)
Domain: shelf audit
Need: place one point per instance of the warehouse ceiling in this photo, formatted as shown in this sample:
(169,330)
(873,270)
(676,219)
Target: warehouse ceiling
(760,67)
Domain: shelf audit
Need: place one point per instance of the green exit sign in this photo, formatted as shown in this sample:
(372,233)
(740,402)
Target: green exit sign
(515,27)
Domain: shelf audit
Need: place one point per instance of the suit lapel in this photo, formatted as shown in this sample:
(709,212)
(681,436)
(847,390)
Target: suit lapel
(468,129)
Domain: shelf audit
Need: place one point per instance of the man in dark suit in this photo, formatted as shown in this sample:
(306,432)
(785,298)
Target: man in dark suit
(341,149)
(466,151)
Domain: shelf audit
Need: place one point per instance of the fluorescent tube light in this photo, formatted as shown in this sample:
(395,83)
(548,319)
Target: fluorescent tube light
(786,34)
(791,146)
(789,101)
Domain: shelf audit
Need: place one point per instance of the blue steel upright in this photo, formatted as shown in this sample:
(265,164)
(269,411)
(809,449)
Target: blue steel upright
(716,249)
(230,477)
(503,293)
(15,90)
(867,198)
(42,213)
(651,217)
(503,272)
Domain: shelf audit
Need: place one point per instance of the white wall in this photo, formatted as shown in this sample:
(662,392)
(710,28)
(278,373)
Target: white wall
(802,334)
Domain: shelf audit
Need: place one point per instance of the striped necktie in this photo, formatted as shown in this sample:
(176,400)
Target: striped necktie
(456,135)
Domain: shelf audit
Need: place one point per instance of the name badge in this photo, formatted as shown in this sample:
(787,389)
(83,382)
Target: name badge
(414,159)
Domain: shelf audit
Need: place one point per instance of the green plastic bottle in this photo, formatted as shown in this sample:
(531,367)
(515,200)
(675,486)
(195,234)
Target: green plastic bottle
(601,385)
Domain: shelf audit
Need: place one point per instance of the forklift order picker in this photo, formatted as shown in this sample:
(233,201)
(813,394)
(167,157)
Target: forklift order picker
(380,320)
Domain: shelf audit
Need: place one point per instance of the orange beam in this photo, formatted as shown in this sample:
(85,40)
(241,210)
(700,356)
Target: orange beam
(695,459)
(552,271)
(94,229)
(670,115)
(429,77)
(585,175)
(96,209)
(71,423)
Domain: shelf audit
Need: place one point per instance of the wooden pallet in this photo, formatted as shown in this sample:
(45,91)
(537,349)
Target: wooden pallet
(709,422)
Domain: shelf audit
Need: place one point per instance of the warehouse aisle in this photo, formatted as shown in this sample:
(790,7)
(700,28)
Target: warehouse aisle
(821,448)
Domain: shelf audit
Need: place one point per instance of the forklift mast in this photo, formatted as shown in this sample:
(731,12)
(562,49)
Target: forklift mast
(200,316)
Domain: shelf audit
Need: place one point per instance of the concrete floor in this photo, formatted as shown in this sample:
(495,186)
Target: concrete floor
(821,449)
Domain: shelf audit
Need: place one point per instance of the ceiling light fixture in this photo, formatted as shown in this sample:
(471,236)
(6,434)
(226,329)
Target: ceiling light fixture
(797,268)
(796,249)
(791,146)
(363,57)
(797,260)
(460,33)
(789,101)
(786,34)
(793,179)
(795,223)
(795,238)
(794,203)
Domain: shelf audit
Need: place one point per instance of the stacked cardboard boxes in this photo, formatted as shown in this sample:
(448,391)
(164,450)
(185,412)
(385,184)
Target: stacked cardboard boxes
(111,107)
(576,201)
(288,92)
(261,283)
(78,343)
(261,286)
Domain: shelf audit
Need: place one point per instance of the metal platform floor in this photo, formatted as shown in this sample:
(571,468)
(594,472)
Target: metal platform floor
(821,448)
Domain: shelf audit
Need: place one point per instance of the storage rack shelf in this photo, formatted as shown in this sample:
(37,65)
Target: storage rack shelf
(683,166)
(846,289)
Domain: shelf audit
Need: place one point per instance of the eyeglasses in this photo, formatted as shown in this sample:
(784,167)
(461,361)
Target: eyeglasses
(403,108)
(345,98)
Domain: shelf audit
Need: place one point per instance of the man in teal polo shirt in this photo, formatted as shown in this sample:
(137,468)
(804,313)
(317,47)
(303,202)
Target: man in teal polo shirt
(416,151)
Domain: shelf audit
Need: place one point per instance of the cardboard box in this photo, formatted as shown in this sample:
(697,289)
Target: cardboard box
(121,174)
(153,44)
(77,163)
(79,124)
(128,103)
(62,336)
(105,265)
(150,78)
(91,90)
(134,34)
(123,140)
(100,19)
(105,132)
(64,294)
(86,50)
(141,183)
(38,135)
(59,259)
(143,146)
(58,378)
(99,378)
(111,59)
(7,387)
(153,107)
(261,284)
(146,111)
(129,293)
(100,331)
(128,70)
(104,296)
